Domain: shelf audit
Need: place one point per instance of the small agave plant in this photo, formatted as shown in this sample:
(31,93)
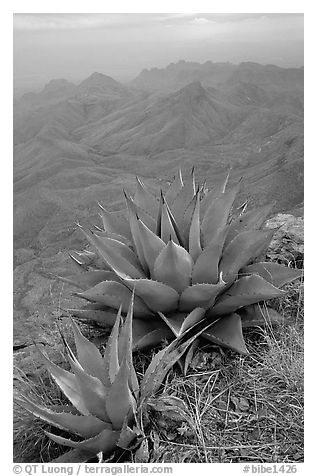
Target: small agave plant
(103,392)
(106,400)
(186,254)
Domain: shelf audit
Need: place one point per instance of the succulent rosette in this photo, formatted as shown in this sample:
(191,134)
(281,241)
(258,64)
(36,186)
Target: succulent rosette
(102,391)
(187,254)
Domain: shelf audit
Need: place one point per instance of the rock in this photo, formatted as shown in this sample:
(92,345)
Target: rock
(287,245)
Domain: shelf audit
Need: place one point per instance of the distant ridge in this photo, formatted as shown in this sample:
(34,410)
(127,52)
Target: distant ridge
(175,75)
(97,84)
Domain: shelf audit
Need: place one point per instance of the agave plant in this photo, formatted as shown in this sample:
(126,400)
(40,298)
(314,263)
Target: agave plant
(185,253)
(106,400)
(102,390)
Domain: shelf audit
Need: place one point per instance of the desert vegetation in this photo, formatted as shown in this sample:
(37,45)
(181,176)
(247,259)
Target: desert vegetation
(179,277)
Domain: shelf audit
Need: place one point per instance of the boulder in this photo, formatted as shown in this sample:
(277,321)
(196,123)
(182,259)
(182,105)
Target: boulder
(287,245)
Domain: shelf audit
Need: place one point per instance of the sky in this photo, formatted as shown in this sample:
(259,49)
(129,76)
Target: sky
(121,45)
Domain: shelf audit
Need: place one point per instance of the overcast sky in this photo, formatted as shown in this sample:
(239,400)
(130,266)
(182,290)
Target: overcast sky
(73,46)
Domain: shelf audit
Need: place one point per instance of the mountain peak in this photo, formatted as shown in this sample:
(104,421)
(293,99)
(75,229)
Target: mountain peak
(98,79)
(59,85)
(99,83)
(193,91)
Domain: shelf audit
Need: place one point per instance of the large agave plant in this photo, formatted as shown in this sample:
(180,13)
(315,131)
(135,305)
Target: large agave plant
(106,400)
(184,252)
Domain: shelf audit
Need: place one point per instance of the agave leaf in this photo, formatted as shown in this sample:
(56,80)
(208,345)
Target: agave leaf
(74,456)
(113,294)
(92,390)
(125,345)
(77,264)
(151,339)
(143,215)
(120,402)
(177,229)
(115,222)
(200,295)
(274,273)
(180,322)
(151,244)
(114,236)
(189,356)
(86,426)
(173,321)
(88,279)
(105,442)
(174,188)
(217,214)
(83,257)
(102,317)
(173,266)
(252,220)
(227,332)
(64,408)
(192,178)
(194,244)
(68,384)
(148,378)
(135,231)
(111,355)
(94,306)
(187,219)
(183,199)
(242,208)
(242,249)
(127,436)
(125,335)
(245,291)
(149,333)
(193,318)
(205,269)
(121,248)
(157,296)
(261,251)
(159,216)
(145,200)
(210,196)
(116,255)
(88,355)
(167,231)
(257,315)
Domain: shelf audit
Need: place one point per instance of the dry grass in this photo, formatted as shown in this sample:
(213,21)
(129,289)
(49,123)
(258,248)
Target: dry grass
(30,443)
(241,408)
(238,408)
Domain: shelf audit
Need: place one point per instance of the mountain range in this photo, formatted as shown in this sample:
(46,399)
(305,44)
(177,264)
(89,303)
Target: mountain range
(75,145)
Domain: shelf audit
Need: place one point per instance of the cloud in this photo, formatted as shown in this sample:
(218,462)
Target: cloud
(80,21)
(201,21)
(87,21)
